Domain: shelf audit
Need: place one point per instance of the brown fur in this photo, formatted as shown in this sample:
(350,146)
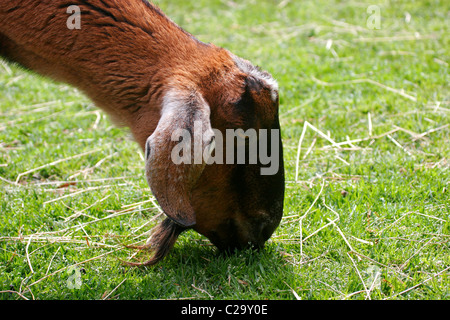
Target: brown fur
(127,57)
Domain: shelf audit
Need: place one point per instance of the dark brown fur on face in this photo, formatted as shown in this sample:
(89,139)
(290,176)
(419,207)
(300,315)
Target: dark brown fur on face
(152,76)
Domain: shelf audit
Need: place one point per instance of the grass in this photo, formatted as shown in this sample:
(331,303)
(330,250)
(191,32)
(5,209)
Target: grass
(365,125)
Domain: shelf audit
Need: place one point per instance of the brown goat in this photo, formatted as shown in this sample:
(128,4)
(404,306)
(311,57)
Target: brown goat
(152,76)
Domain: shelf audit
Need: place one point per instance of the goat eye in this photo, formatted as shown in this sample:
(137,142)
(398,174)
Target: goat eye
(148,150)
(211,145)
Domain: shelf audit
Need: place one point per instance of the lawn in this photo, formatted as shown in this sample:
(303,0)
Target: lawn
(364,111)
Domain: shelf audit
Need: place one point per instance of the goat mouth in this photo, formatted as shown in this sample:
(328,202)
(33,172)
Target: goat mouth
(231,249)
(233,243)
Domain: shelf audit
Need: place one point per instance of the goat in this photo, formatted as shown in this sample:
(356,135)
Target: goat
(152,76)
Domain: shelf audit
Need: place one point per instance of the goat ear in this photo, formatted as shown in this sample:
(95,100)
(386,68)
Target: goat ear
(174,153)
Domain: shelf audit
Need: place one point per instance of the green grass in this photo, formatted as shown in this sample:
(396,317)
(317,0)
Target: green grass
(382,202)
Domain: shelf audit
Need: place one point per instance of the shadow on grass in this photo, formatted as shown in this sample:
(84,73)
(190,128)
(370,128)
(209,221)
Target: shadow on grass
(205,256)
(193,271)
